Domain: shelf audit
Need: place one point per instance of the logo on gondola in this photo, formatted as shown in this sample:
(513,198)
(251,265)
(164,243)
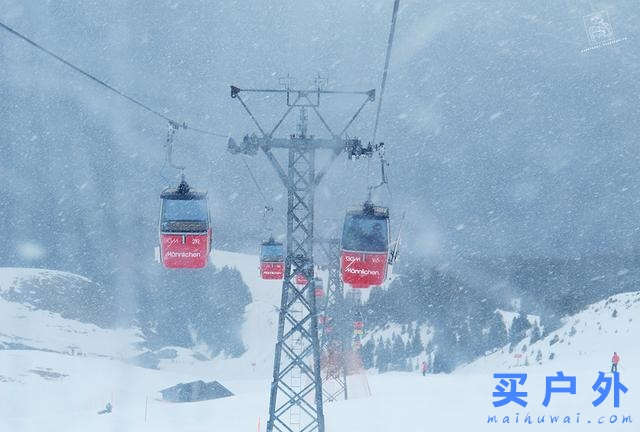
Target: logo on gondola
(171,241)
(362,272)
(351,258)
(172,254)
(195,241)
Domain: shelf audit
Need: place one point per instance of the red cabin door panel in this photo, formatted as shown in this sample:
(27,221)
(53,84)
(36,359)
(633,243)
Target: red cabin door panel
(184,250)
(363,270)
(272,270)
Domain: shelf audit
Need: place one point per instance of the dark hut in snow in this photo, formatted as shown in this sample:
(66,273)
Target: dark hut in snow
(195,391)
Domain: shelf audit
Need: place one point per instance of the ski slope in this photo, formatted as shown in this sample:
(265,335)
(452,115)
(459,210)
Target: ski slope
(55,391)
(25,326)
(589,337)
(261,321)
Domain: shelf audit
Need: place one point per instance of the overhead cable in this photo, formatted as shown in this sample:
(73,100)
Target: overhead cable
(105,84)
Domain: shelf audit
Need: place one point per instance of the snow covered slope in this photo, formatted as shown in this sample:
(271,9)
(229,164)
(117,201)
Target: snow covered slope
(60,392)
(24,326)
(589,336)
(261,320)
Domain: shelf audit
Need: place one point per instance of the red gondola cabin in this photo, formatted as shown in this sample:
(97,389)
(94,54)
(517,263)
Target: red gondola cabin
(272,260)
(358,327)
(318,288)
(185,228)
(365,246)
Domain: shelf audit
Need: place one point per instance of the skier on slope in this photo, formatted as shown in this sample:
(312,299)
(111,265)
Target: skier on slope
(107,409)
(424,368)
(614,362)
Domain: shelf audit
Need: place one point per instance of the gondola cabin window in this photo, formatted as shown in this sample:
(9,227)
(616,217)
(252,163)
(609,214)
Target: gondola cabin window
(365,234)
(185,214)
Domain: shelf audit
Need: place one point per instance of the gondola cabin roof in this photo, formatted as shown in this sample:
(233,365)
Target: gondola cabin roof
(182,192)
(369,209)
(271,242)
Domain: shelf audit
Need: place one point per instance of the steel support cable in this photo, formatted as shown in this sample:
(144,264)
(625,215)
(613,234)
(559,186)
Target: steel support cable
(105,84)
(267,204)
(383,83)
(386,66)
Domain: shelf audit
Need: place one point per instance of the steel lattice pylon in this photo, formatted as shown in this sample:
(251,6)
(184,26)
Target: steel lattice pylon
(296,398)
(296,374)
(335,335)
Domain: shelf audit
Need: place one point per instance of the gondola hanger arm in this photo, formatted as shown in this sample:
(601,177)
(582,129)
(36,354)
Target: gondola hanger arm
(173,128)
(396,244)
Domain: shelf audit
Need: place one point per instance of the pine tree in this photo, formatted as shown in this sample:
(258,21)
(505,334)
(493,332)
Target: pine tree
(416,343)
(447,350)
(497,335)
(366,353)
(536,333)
(550,323)
(518,328)
(398,354)
(408,367)
(477,340)
(381,356)
(441,363)
(210,311)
